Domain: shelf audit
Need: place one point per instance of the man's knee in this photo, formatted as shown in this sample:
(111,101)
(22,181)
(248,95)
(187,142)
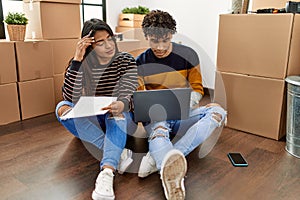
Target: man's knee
(217,116)
(217,112)
(212,105)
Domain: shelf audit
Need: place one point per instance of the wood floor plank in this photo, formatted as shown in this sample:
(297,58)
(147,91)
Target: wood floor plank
(9,185)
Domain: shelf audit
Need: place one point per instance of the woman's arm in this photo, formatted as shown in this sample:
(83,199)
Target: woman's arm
(72,87)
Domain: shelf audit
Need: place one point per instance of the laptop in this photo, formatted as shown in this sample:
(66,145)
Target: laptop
(161,105)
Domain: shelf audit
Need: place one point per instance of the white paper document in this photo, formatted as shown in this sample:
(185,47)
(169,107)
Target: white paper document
(88,106)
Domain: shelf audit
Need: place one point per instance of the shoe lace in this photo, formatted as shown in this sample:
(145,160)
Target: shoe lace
(105,181)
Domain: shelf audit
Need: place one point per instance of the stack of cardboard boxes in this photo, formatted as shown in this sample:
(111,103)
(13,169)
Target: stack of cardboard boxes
(129,22)
(9,103)
(130,25)
(256,52)
(54,29)
(134,42)
(39,62)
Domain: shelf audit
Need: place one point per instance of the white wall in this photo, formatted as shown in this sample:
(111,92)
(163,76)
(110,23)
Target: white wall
(11,6)
(197,25)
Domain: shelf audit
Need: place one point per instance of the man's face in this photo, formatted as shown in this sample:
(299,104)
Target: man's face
(161,47)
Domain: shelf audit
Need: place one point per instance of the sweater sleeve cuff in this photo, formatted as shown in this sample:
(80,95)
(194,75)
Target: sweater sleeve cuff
(126,105)
(75,65)
(195,98)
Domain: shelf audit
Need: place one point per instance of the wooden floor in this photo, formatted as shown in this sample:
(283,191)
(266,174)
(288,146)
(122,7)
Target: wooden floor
(40,160)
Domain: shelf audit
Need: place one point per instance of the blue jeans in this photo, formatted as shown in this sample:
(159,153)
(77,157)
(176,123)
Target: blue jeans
(190,132)
(105,132)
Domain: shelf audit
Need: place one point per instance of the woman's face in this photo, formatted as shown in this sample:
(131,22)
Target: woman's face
(104,46)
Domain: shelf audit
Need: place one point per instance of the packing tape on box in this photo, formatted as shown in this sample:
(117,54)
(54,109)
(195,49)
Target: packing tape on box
(36,43)
(33,35)
(31,5)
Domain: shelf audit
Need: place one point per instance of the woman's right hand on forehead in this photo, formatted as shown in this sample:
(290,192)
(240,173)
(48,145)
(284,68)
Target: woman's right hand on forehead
(82,44)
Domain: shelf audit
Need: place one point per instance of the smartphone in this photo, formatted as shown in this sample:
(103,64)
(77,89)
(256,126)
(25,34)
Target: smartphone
(237,160)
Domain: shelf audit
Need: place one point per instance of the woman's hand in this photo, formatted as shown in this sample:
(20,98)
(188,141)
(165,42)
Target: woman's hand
(82,44)
(116,108)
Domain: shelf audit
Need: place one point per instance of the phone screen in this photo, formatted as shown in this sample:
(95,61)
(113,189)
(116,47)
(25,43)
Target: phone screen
(237,159)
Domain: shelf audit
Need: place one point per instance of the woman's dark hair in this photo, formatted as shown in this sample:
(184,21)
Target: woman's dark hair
(158,23)
(94,25)
(90,27)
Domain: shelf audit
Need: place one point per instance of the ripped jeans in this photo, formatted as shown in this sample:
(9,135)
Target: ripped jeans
(105,132)
(191,132)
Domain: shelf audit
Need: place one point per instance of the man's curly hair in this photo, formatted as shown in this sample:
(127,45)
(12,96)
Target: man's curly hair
(158,23)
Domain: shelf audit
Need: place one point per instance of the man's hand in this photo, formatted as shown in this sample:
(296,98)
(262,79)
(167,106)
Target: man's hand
(195,99)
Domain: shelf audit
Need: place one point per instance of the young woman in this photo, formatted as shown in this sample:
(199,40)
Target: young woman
(99,69)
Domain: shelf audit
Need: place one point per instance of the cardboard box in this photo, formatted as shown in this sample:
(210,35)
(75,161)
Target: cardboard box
(128,45)
(9,104)
(8,69)
(294,58)
(58,83)
(128,32)
(52,20)
(258,44)
(254,104)
(63,50)
(36,97)
(57,1)
(261,4)
(135,53)
(134,33)
(34,59)
(131,20)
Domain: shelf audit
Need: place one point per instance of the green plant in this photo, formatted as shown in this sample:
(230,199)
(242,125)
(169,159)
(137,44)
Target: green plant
(16,18)
(136,10)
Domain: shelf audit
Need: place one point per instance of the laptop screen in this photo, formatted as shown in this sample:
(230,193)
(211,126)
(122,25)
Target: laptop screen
(161,105)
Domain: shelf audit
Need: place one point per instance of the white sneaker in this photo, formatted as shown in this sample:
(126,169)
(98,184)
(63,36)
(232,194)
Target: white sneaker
(125,160)
(104,186)
(173,170)
(147,167)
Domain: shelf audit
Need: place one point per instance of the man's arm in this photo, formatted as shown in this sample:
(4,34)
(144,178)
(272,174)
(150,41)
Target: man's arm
(195,80)
(141,83)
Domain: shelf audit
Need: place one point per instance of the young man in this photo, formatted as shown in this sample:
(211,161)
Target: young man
(169,65)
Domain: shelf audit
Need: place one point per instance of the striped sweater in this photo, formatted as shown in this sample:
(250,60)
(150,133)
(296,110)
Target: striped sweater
(118,79)
(180,69)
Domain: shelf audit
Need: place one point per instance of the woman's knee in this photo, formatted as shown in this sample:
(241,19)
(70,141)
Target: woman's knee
(62,107)
(121,116)
(116,121)
(159,132)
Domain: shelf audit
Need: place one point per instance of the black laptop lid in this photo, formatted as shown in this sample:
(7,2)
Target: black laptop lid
(161,105)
